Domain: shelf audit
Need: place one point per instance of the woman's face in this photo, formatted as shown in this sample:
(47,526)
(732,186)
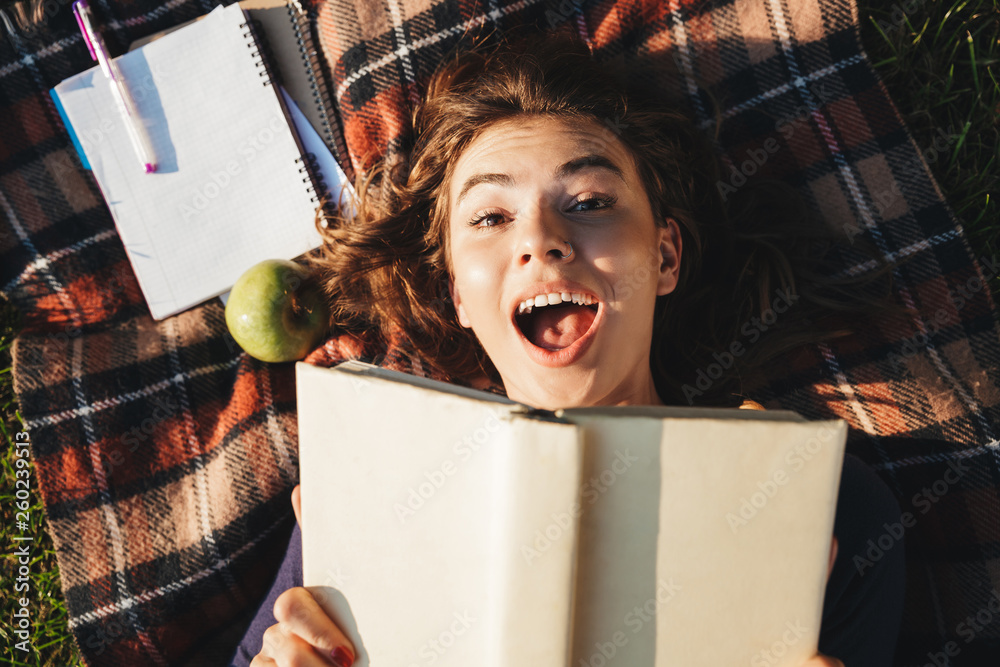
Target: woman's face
(521,193)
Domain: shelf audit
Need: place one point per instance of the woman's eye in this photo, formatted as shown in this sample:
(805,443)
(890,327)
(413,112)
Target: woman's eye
(487,219)
(594,203)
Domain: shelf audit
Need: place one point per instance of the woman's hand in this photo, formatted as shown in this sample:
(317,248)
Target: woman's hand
(304,634)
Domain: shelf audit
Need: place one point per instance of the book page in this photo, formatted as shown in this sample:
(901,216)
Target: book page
(702,541)
(418,508)
(227,192)
(685,540)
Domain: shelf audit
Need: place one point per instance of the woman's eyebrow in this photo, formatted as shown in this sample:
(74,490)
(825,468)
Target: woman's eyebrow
(586,161)
(564,170)
(505,180)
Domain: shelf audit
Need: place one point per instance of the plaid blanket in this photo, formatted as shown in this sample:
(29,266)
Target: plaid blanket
(165,456)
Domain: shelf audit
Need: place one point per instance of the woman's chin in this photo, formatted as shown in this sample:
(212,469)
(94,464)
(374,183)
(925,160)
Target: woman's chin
(552,393)
(580,386)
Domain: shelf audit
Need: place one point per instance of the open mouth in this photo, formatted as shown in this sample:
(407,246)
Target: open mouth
(556,321)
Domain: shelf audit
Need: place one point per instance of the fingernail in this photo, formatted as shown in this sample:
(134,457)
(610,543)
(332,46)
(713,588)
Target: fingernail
(342,657)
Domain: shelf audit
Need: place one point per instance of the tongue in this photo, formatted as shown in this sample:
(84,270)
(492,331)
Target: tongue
(554,328)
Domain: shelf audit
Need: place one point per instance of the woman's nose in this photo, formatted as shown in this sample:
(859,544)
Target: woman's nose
(544,237)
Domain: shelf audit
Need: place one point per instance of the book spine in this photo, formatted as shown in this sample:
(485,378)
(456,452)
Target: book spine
(536,525)
(302,24)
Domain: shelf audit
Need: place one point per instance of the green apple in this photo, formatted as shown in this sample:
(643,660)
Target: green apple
(275,313)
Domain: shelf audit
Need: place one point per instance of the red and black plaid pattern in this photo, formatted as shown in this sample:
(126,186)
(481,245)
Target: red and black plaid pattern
(791,95)
(165,456)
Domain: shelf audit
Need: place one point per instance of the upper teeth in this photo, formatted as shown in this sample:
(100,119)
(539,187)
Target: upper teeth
(552,299)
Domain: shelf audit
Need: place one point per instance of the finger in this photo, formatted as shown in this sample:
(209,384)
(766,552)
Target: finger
(274,642)
(261,660)
(298,610)
(297,503)
(286,648)
(834,548)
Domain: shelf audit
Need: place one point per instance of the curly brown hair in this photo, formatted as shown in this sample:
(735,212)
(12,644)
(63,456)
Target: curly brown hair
(387,267)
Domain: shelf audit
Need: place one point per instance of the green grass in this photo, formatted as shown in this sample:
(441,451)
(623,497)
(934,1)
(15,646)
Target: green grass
(50,640)
(940,65)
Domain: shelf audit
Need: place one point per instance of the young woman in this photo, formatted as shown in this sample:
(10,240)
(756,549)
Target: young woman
(554,233)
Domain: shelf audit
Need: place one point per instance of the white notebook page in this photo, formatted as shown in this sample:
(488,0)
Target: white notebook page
(227,193)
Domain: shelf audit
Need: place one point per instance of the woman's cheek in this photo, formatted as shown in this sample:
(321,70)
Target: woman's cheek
(645,266)
(478,288)
(626,274)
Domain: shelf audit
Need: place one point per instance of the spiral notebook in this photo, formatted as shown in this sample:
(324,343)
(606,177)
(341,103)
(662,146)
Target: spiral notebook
(233,185)
(289,32)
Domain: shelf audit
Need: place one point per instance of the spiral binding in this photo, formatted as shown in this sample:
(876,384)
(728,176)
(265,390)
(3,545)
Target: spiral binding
(313,178)
(262,53)
(302,25)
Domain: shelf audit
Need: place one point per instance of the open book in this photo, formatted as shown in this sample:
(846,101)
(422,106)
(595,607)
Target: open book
(447,526)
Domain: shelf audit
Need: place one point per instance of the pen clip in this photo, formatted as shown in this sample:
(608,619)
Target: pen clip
(79,8)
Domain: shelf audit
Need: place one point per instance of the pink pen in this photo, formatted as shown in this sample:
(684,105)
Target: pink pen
(126,105)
